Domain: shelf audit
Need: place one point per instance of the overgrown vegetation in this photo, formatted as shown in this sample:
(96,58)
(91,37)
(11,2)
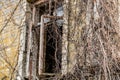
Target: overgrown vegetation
(98,46)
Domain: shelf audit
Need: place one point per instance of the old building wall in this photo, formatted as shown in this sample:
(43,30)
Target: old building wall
(12,21)
(83,40)
(75,21)
(92,39)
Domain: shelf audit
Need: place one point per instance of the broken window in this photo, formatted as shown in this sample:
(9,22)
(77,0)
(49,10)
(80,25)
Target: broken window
(50,45)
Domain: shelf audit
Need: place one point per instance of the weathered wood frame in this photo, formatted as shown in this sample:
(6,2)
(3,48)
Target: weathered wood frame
(41,66)
(64,42)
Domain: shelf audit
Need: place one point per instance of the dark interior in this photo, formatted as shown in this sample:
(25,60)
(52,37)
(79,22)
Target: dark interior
(53,40)
(53,49)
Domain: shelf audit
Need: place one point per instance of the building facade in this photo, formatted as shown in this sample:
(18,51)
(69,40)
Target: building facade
(59,39)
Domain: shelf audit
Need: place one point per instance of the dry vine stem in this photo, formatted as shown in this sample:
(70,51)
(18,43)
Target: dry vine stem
(98,46)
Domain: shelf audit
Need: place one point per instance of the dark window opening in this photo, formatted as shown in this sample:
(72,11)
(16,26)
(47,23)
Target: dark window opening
(52,37)
(53,49)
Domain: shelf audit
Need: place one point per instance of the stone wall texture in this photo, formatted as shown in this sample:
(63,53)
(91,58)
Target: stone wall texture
(12,18)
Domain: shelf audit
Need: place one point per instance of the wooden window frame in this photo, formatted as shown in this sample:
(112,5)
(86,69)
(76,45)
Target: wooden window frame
(41,52)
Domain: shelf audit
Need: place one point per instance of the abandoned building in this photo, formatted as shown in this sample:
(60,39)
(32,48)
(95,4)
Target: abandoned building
(43,42)
(60,40)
